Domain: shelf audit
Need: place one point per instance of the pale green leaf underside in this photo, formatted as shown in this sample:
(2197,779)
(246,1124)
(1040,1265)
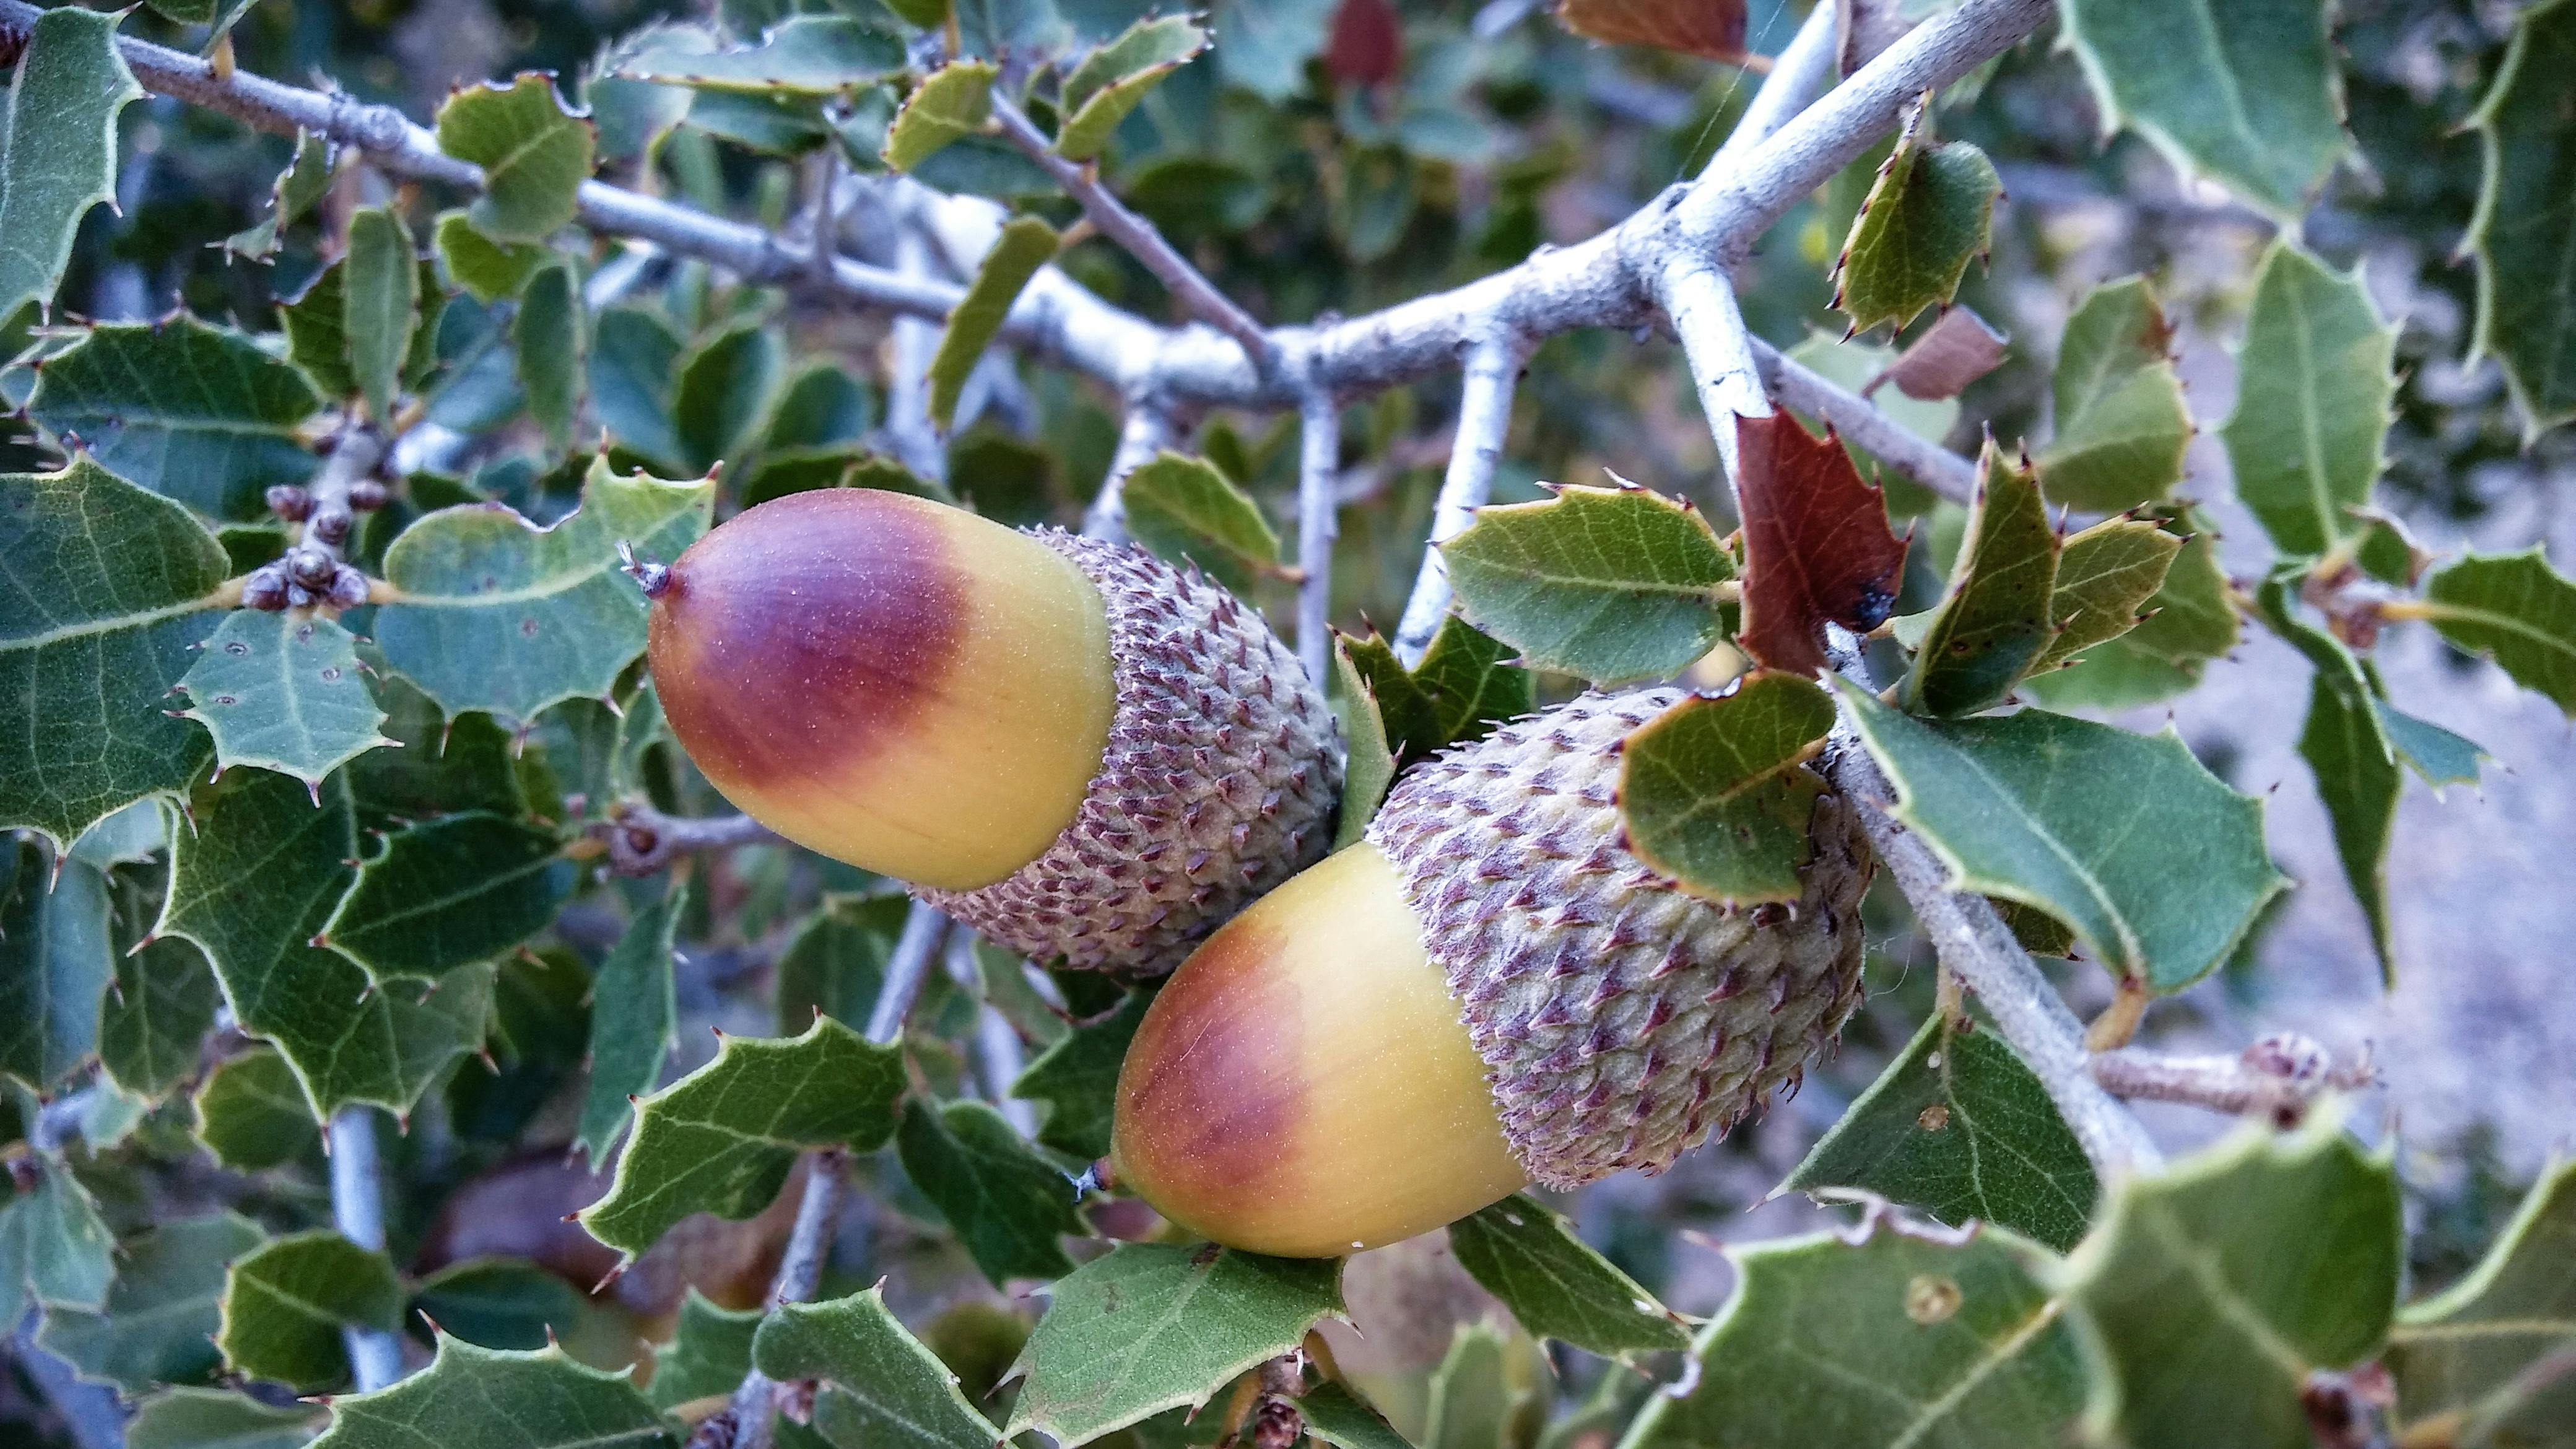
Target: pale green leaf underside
(818,55)
(2312,403)
(283,694)
(1610,584)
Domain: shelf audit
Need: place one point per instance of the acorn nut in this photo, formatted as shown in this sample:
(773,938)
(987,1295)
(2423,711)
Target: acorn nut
(1490,989)
(1068,745)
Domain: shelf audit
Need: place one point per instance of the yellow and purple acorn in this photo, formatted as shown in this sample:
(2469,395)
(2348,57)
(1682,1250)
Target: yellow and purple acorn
(1491,989)
(1068,745)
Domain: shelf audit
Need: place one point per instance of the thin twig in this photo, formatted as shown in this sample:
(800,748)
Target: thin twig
(1142,240)
(1484,416)
(1804,68)
(998,1054)
(642,840)
(1146,431)
(358,1211)
(754,1407)
(1864,425)
(914,950)
(1319,472)
(908,424)
(2279,1077)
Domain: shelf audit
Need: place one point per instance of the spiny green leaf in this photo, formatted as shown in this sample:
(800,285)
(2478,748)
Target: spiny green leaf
(1472,1399)
(1153,1326)
(1555,1284)
(1008,1205)
(2474,1359)
(55,963)
(1114,77)
(1959,1128)
(486,269)
(1956,1342)
(451,892)
(723,1138)
(498,1303)
(1025,244)
(251,1113)
(2357,778)
(634,1021)
(1926,218)
(381,286)
(818,55)
(496,614)
(103,588)
(551,339)
(709,1352)
(1469,685)
(1335,1416)
(1077,1079)
(285,1302)
(2524,232)
(304,181)
(1714,792)
(1611,584)
(724,390)
(2515,609)
(836,962)
(57,146)
(2121,423)
(2190,621)
(481,1396)
(1264,48)
(1369,765)
(2158,866)
(2312,403)
(881,1388)
(2242,90)
(315,323)
(252,885)
(131,836)
(953,101)
(1187,511)
(194,412)
(445,766)
(283,693)
(2211,1290)
(535,155)
(54,1247)
(160,1317)
(218,1419)
(2439,756)
(1993,625)
(157,1017)
(2105,576)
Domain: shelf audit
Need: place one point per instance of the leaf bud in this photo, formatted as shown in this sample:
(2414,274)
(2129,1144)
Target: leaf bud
(265,588)
(290,501)
(348,588)
(331,524)
(310,567)
(367,495)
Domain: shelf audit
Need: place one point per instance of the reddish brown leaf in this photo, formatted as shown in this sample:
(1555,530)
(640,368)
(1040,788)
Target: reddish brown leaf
(1713,28)
(1953,352)
(1367,47)
(1817,548)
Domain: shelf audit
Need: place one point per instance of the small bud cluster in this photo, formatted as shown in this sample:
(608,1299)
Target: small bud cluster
(310,573)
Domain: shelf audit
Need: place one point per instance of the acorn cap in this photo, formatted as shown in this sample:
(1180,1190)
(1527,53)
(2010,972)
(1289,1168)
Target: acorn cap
(1218,782)
(1622,1020)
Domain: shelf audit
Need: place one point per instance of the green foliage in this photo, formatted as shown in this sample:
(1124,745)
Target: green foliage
(2473,1362)
(494,613)
(1114,78)
(2121,422)
(880,1386)
(105,591)
(2240,90)
(1611,584)
(283,694)
(498,1303)
(381,284)
(1715,793)
(217,1419)
(1025,244)
(2157,865)
(451,892)
(1008,1205)
(2106,577)
(1466,683)
(1556,1286)
(1188,511)
(2524,230)
(2313,409)
(285,1302)
(1959,1128)
(2210,1292)
(818,55)
(158,1323)
(1115,1346)
(486,269)
(1336,1416)
(1997,619)
(535,155)
(198,413)
(836,961)
(1368,761)
(634,1019)
(55,1249)
(158,1012)
(551,338)
(723,1138)
(252,1115)
(2191,619)
(57,146)
(951,102)
(1077,1079)
(1959,1342)
(1922,223)
(470,1395)
(2514,609)
(709,1352)
(55,964)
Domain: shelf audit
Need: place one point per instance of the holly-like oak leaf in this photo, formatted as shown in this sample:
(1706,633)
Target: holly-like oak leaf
(1817,548)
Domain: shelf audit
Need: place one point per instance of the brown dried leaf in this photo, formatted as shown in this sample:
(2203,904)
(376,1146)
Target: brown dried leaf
(1817,548)
(1957,349)
(1367,44)
(1863,28)
(1713,28)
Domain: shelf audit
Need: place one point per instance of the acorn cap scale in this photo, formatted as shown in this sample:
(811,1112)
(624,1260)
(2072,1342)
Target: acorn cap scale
(1490,989)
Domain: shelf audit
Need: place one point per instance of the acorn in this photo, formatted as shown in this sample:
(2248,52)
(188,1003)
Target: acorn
(1070,746)
(1491,989)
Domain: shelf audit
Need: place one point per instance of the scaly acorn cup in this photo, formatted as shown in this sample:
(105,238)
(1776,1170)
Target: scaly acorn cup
(1068,745)
(1490,989)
